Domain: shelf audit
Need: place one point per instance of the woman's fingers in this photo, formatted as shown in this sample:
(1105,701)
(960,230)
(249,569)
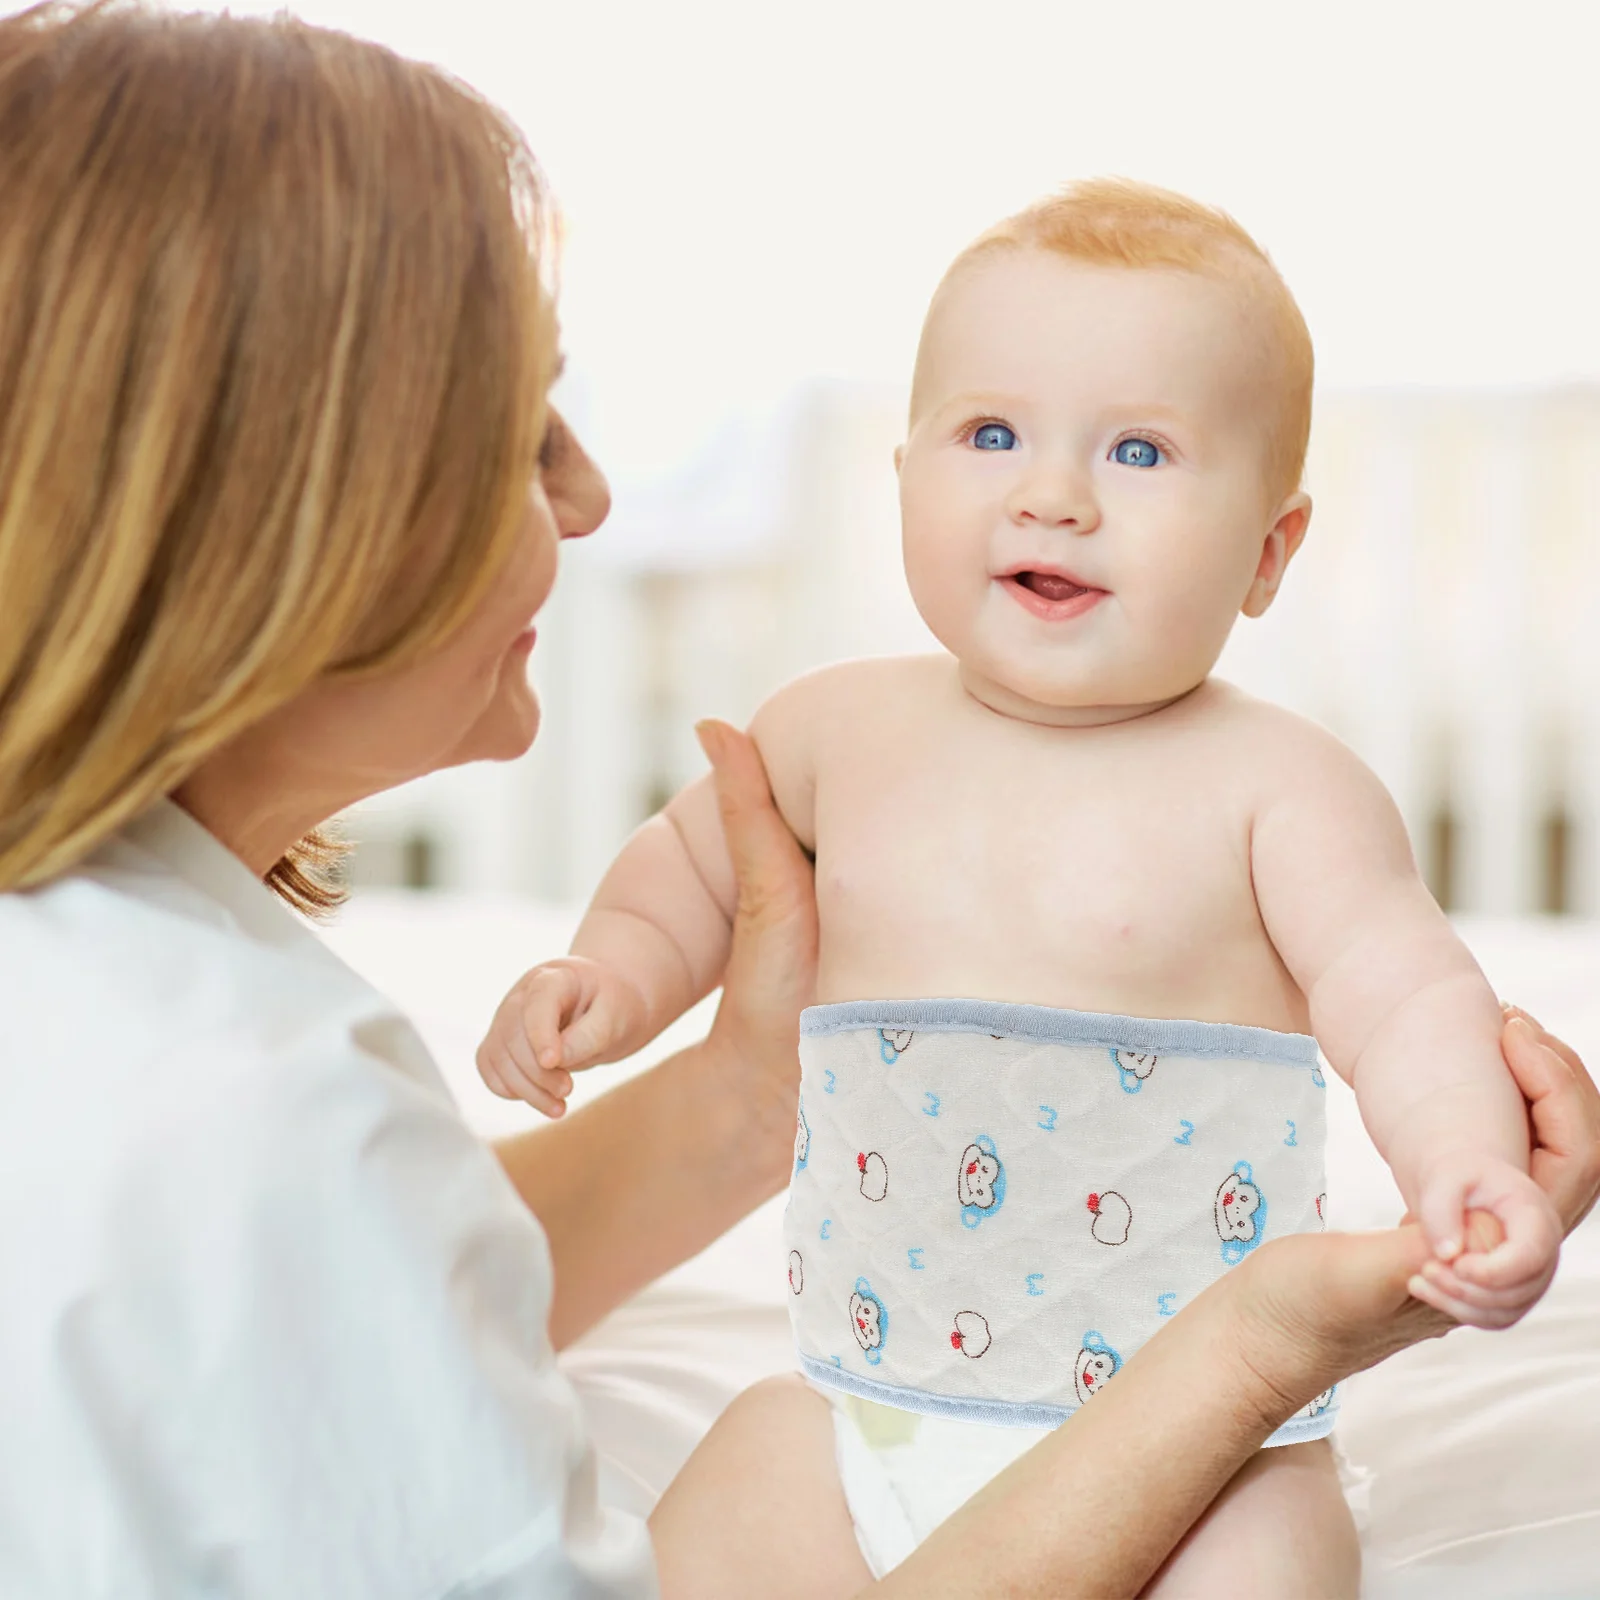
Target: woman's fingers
(771,868)
(771,973)
(1564,1110)
(1356,1293)
(1546,1038)
(1329,1304)
(1485,1231)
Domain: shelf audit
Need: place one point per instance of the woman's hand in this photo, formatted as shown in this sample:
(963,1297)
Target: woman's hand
(607,1181)
(772,967)
(1563,1110)
(1564,1115)
(1318,1307)
(1326,1305)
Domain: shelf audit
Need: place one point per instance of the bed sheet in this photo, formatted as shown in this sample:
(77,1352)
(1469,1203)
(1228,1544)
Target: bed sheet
(1480,1453)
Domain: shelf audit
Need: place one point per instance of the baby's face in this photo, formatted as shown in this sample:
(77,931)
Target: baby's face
(1085,491)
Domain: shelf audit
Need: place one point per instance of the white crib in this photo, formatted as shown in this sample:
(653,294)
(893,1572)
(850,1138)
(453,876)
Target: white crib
(1443,618)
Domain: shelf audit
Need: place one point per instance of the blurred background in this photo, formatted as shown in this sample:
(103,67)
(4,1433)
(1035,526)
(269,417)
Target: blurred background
(757,203)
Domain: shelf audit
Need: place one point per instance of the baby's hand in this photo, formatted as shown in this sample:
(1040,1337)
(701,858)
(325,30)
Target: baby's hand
(1487,1288)
(559,1018)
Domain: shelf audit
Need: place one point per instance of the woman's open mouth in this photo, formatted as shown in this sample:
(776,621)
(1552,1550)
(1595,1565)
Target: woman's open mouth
(1051,595)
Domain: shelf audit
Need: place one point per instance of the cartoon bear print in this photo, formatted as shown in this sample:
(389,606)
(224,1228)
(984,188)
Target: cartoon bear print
(1113,1216)
(1241,1213)
(893,1043)
(874,1174)
(970,1335)
(1132,1069)
(802,1140)
(869,1321)
(980,1181)
(1096,1365)
(797,1272)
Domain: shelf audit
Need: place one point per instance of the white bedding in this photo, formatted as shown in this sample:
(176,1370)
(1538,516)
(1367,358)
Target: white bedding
(1481,1451)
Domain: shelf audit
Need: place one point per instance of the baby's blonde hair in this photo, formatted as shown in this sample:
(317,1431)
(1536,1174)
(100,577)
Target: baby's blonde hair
(1115,222)
(274,347)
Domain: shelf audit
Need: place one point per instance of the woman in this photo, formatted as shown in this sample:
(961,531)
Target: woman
(280,493)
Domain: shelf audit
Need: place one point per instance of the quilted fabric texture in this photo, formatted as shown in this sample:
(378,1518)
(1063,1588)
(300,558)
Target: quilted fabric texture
(993,1206)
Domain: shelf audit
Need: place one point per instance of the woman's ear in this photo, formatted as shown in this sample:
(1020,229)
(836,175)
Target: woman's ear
(1284,538)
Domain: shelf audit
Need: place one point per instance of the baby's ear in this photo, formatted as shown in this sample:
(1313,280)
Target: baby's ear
(1284,538)
(899,458)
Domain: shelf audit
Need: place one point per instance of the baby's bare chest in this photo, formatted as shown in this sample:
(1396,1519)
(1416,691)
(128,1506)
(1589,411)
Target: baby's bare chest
(1113,880)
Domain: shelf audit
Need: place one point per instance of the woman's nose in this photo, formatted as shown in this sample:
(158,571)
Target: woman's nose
(582,503)
(579,496)
(1055,496)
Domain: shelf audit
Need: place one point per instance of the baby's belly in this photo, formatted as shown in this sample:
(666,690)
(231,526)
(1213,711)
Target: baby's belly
(993,1206)
(1174,959)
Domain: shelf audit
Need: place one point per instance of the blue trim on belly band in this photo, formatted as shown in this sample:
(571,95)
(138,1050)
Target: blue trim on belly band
(1006,1414)
(1047,1024)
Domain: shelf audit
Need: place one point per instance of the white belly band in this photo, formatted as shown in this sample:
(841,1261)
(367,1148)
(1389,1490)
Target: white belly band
(994,1205)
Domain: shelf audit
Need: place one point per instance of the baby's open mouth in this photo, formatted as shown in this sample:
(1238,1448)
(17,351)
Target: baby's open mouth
(1051,596)
(1050,587)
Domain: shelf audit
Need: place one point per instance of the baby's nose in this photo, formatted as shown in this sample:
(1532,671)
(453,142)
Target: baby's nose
(1056,495)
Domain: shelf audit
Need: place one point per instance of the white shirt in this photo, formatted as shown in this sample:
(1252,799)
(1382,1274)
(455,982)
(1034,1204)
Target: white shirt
(272,1319)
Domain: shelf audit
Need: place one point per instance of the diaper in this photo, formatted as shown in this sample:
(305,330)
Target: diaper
(993,1206)
(903,1474)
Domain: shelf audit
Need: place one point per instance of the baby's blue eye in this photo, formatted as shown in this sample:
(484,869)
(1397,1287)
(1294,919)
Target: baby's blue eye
(994,436)
(1136,453)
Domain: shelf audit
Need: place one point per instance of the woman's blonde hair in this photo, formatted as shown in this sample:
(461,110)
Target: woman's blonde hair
(274,348)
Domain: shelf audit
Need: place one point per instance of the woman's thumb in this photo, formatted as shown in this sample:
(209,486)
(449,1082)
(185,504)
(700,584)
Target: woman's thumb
(759,841)
(729,753)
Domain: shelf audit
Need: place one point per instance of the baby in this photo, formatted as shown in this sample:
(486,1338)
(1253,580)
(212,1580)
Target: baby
(1082,906)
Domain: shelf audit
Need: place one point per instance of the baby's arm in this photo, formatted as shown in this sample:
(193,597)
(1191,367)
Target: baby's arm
(655,938)
(1405,1016)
